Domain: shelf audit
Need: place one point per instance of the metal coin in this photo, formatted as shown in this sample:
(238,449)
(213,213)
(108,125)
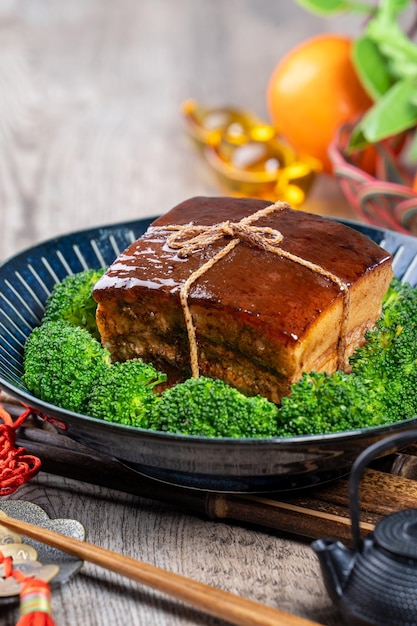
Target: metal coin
(8,536)
(19,552)
(10,587)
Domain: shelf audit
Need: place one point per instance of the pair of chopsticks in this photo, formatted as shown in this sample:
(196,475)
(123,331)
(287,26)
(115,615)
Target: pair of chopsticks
(216,602)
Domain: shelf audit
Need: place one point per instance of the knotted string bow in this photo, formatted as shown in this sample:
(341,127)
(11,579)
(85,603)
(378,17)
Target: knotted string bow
(190,238)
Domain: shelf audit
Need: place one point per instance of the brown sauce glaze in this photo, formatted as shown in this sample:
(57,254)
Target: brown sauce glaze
(278,294)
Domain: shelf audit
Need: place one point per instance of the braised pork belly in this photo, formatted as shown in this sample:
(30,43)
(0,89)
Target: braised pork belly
(245,291)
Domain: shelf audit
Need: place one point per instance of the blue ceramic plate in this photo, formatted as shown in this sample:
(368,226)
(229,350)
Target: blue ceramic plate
(242,465)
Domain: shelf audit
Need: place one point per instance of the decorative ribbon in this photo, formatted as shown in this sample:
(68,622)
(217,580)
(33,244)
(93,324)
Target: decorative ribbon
(16,467)
(190,238)
(35,596)
(35,603)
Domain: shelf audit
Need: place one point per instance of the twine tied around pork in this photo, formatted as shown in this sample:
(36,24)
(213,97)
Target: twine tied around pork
(190,238)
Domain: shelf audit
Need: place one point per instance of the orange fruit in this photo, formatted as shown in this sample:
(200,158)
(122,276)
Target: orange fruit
(312,91)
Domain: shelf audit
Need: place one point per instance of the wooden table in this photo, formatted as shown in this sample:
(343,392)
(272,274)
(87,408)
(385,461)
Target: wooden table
(91,133)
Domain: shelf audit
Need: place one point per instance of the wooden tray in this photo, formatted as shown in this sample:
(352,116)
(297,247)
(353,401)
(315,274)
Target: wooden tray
(389,485)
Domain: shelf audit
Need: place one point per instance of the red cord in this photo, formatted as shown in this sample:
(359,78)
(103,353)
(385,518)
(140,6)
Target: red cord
(35,596)
(16,467)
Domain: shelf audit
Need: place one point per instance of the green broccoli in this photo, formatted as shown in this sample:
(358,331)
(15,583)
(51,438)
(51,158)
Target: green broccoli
(124,393)
(382,386)
(325,403)
(62,363)
(72,301)
(388,359)
(211,408)
(65,365)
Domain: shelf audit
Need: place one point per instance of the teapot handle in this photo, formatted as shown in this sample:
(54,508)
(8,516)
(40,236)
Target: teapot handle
(395,441)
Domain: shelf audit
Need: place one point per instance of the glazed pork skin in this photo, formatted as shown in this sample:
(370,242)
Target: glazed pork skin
(260,319)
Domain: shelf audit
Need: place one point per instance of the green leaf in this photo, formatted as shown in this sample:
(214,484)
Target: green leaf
(392,8)
(357,140)
(392,113)
(371,67)
(328,7)
(323,7)
(400,51)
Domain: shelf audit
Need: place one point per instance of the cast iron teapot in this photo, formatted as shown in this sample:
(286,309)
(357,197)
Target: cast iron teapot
(375,582)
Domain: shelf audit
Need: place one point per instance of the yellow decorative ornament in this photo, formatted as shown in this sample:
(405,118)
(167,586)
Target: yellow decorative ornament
(246,155)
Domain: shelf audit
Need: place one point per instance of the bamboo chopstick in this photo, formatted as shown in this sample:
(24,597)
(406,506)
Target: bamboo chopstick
(222,604)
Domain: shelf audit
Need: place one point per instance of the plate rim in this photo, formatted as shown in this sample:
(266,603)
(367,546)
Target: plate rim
(44,409)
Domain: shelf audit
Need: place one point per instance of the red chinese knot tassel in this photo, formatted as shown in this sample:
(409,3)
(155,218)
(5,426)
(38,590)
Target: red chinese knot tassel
(16,467)
(35,604)
(35,596)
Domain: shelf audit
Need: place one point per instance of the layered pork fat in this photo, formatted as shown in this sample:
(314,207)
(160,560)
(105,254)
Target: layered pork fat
(260,319)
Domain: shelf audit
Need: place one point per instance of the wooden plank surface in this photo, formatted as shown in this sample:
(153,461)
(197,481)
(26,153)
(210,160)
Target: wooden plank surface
(91,133)
(90,95)
(292,518)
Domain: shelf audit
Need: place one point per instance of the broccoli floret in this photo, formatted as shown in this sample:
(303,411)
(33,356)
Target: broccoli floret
(381,388)
(124,393)
(72,301)
(61,364)
(325,403)
(388,359)
(65,365)
(211,408)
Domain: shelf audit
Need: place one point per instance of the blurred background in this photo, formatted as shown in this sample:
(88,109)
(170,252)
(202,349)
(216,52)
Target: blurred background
(91,130)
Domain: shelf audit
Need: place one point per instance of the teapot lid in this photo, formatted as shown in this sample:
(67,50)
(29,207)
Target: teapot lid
(397,533)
